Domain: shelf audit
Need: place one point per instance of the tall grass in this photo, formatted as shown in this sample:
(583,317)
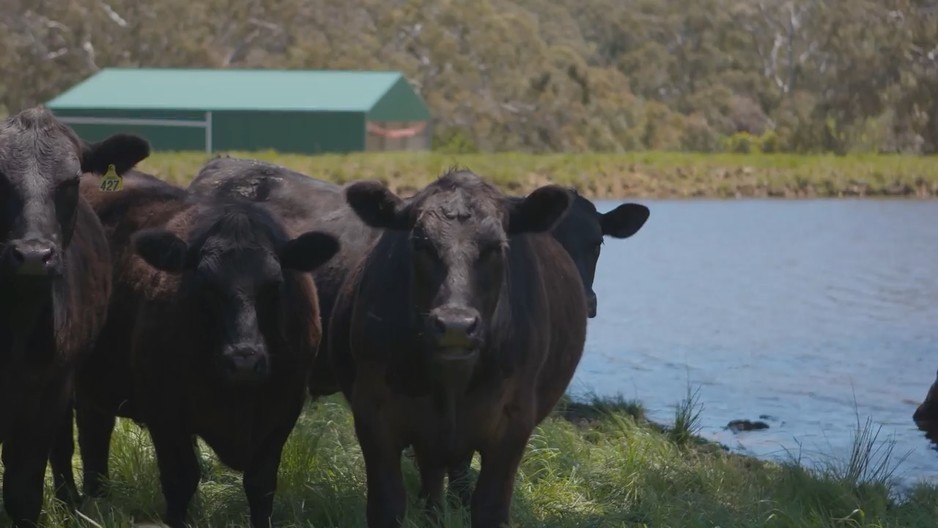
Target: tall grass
(686,418)
(636,174)
(613,469)
(872,460)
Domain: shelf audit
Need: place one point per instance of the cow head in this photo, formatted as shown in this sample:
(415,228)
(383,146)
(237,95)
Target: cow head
(458,232)
(582,230)
(926,415)
(41,161)
(234,266)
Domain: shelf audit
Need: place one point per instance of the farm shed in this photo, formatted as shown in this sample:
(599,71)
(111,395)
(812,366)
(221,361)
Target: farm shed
(298,111)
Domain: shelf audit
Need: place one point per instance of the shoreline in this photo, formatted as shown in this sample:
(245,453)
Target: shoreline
(639,175)
(592,463)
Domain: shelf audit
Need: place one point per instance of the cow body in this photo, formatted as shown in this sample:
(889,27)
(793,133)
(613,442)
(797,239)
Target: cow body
(457,333)
(54,289)
(105,386)
(218,332)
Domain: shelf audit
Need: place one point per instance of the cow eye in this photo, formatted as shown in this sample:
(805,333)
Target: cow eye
(209,287)
(67,187)
(424,246)
(269,290)
(490,251)
(71,182)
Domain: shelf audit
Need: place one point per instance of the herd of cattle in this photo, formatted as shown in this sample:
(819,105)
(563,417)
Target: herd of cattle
(452,320)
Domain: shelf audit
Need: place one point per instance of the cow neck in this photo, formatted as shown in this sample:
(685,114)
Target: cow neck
(25,306)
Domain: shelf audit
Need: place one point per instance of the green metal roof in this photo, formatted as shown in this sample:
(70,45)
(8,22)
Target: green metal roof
(231,89)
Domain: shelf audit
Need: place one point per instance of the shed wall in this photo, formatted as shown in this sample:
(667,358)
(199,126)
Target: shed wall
(295,132)
(161,137)
(400,103)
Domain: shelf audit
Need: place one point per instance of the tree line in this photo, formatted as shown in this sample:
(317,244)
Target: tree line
(542,75)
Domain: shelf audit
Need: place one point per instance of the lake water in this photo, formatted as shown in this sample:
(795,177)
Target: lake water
(812,312)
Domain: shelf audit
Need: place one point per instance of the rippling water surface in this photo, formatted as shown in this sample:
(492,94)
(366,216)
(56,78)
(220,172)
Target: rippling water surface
(810,312)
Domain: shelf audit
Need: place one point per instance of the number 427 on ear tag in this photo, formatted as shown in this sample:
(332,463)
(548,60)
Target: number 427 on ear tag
(111,182)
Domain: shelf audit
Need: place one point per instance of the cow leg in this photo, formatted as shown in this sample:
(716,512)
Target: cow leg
(179,471)
(386,496)
(60,458)
(492,498)
(94,443)
(431,485)
(460,482)
(260,479)
(24,459)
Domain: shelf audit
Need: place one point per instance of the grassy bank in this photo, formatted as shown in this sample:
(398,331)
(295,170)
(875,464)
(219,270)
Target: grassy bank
(594,465)
(641,174)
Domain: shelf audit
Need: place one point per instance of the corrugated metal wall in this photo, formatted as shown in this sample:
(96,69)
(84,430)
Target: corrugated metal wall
(161,137)
(291,132)
(304,133)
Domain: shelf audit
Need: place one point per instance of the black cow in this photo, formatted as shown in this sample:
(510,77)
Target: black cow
(104,383)
(217,329)
(926,415)
(54,289)
(458,331)
(581,233)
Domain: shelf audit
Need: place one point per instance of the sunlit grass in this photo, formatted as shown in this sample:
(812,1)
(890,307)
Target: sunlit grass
(596,463)
(638,174)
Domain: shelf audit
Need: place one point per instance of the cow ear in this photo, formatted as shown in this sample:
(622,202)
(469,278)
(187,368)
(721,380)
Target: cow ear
(162,250)
(308,251)
(377,206)
(539,211)
(624,221)
(121,150)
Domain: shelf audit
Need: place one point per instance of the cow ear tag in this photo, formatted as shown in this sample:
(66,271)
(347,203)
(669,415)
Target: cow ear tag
(111,182)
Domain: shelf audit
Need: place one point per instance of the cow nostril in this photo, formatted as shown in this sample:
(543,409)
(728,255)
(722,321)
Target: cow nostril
(439,325)
(35,255)
(473,325)
(16,256)
(260,367)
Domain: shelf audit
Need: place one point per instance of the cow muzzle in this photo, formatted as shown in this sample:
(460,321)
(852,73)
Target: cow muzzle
(924,417)
(30,257)
(245,364)
(455,333)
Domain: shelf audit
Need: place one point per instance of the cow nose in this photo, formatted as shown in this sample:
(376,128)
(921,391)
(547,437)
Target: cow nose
(465,325)
(455,327)
(31,257)
(246,364)
(591,303)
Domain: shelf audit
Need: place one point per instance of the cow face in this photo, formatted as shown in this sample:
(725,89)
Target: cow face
(458,234)
(926,415)
(233,269)
(582,230)
(41,161)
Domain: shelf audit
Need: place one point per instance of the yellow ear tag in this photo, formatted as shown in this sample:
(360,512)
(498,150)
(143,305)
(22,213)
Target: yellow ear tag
(111,182)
